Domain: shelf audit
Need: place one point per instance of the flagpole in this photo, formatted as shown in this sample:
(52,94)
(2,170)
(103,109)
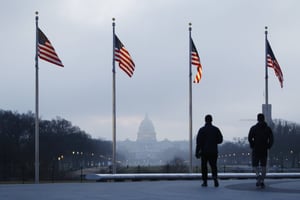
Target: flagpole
(36,104)
(266,85)
(190,102)
(267,107)
(266,66)
(114,104)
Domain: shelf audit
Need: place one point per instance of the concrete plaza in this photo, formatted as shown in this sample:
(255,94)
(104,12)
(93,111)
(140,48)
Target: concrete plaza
(245,189)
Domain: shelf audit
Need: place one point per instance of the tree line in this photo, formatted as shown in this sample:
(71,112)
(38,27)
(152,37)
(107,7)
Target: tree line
(286,150)
(65,148)
(59,141)
(285,153)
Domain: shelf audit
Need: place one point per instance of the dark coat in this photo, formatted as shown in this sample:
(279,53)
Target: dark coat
(260,138)
(208,138)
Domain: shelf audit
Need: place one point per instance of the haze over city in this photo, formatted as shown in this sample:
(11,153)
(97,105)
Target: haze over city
(229,36)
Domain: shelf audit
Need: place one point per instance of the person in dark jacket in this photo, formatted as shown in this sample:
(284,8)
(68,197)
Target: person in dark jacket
(208,138)
(260,138)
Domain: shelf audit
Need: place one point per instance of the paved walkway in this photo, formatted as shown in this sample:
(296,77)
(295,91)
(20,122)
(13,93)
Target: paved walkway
(245,189)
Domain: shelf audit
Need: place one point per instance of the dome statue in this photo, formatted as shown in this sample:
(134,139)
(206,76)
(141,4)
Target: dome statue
(146,131)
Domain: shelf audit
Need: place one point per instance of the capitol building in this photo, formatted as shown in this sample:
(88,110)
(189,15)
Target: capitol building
(147,150)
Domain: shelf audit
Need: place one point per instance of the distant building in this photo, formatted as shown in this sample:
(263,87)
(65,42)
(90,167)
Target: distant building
(267,111)
(146,150)
(146,133)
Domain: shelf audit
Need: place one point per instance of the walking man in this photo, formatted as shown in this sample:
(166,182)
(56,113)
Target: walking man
(260,139)
(208,138)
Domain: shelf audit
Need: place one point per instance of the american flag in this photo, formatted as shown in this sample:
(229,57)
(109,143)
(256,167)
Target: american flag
(196,61)
(123,57)
(272,62)
(46,51)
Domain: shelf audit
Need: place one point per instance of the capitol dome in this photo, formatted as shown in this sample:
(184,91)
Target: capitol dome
(146,131)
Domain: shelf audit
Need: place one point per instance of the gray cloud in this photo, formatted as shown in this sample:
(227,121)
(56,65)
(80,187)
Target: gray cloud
(229,37)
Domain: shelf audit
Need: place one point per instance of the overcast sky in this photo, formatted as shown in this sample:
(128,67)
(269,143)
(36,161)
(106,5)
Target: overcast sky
(229,36)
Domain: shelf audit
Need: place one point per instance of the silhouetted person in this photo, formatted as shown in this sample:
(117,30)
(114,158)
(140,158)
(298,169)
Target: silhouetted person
(208,138)
(260,139)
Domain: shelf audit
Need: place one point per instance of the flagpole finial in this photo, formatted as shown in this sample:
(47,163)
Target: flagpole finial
(36,14)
